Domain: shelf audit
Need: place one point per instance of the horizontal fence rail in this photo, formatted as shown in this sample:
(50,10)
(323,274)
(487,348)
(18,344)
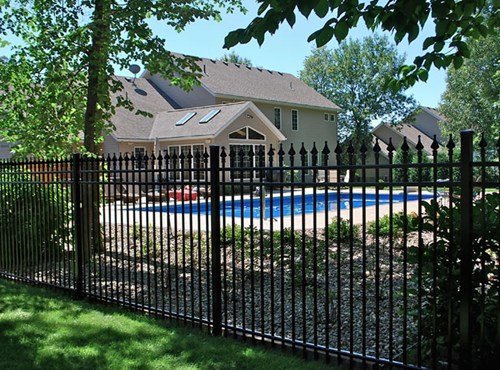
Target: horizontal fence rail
(374,256)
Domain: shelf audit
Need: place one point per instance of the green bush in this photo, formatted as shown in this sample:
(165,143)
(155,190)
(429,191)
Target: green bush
(400,224)
(345,230)
(440,268)
(35,220)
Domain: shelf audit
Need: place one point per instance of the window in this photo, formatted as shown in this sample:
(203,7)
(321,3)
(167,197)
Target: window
(186,118)
(295,120)
(247,133)
(242,159)
(326,116)
(139,153)
(333,117)
(210,115)
(277,118)
(176,163)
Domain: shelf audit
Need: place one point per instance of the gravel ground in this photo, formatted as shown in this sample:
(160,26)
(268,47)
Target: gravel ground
(339,303)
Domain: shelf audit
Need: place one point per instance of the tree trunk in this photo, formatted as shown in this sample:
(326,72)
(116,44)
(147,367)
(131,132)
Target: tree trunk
(97,87)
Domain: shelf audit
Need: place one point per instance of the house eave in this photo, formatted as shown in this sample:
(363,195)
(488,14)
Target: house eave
(275,102)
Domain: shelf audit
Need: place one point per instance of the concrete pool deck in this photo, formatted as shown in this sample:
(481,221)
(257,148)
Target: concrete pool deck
(128,214)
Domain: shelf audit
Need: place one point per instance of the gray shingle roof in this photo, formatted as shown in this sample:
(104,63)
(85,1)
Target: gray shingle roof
(411,133)
(435,112)
(237,81)
(145,97)
(165,123)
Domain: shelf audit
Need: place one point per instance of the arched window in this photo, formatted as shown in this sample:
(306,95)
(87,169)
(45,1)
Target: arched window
(247,133)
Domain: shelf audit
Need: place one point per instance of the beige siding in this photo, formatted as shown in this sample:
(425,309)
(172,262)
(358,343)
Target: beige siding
(312,127)
(5,150)
(197,97)
(110,146)
(428,124)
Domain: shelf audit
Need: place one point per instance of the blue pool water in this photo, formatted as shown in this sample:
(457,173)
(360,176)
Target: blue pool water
(296,204)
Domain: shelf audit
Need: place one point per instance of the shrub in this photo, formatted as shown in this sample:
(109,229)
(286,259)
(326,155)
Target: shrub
(35,220)
(345,230)
(398,224)
(440,269)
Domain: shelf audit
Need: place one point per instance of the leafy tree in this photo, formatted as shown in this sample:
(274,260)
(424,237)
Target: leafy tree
(472,96)
(454,22)
(58,83)
(232,57)
(355,76)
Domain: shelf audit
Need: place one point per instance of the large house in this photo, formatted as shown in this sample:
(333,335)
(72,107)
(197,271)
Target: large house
(235,106)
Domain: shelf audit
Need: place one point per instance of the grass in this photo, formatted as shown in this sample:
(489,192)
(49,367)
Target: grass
(43,329)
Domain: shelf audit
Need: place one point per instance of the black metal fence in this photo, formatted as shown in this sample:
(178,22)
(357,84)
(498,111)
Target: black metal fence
(402,272)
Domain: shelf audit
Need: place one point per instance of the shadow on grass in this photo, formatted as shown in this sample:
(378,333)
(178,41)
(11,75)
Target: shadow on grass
(40,329)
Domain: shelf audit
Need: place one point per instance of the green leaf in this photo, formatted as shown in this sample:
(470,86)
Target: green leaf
(341,30)
(428,42)
(325,35)
(423,74)
(413,33)
(290,18)
(313,35)
(483,30)
(321,8)
(463,49)
(438,46)
(306,6)
(233,38)
(399,36)
(263,7)
(458,61)
(369,20)
(441,27)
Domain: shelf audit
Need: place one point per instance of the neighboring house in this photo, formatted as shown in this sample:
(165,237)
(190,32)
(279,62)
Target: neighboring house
(235,106)
(425,125)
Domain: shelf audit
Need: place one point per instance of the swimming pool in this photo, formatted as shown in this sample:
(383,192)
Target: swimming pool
(297,204)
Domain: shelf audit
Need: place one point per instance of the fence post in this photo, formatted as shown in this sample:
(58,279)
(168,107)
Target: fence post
(77,206)
(215,240)
(466,158)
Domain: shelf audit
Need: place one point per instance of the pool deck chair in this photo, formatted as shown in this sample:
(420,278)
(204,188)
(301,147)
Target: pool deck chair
(347,177)
(443,196)
(321,176)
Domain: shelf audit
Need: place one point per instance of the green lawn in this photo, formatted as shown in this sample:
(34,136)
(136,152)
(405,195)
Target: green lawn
(42,329)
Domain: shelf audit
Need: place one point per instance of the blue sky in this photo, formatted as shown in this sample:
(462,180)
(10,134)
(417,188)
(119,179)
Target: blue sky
(286,50)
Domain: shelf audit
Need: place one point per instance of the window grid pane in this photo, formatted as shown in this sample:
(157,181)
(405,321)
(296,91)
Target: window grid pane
(295,120)
(277,117)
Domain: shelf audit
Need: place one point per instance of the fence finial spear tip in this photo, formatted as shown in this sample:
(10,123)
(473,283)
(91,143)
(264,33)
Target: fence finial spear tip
(435,144)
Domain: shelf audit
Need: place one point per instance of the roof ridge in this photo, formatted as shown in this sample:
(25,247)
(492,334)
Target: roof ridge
(208,106)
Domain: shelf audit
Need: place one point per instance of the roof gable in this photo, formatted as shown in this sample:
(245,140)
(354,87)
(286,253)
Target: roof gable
(166,123)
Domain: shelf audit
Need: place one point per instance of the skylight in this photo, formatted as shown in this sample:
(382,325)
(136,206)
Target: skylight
(186,118)
(209,115)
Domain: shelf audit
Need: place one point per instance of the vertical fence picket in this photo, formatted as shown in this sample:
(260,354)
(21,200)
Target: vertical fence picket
(77,207)
(215,242)
(466,157)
